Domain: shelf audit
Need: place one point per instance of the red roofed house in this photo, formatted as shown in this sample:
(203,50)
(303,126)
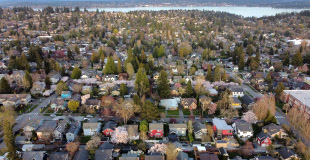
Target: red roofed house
(156,130)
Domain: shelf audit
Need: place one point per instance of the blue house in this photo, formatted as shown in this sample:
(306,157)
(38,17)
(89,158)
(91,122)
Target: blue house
(66,94)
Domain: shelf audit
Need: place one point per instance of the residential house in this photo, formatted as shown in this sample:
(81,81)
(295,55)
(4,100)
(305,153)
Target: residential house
(45,131)
(178,129)
(55,78)
(81,154)
(169,104)
(189,103)
(14,99)
(92,103)
(90,129)
(129,156)
(283,75)
(109,128)
(154,157)
(236,103)
(263,139)
(263,158)
(247,101)
(208,156)
(73,131)
(109,78)
(60,130)
(34,155)
(274,130)
(212,92)
(58,103)
(133,132)
(287,154)
(199,129)
(32,126)
(103,154)
(156,130)
(243,129)
(59,155)
(237,91)
(221,128)
(66,94)
(37,88)
(87,89)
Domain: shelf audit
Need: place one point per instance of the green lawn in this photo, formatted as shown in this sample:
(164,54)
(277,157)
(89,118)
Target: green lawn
(173,112)
(85,139)
(187,112)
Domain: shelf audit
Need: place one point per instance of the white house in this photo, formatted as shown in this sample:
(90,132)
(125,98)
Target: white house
(90,129)
(169,104)
(178,129)
(243,129)
(237,91)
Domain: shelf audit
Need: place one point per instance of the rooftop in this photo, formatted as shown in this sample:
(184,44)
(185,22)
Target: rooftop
(302,95)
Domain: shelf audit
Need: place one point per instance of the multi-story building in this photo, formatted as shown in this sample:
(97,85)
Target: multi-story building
(299,99)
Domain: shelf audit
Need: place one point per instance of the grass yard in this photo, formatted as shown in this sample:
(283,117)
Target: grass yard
(173,112)
(85,139)
(187,112)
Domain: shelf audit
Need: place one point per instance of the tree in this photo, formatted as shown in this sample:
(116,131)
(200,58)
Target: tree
(303,149)
(110,66)
(241,61)
(149,111)
(171,151)
(61,86)
(224,77)
(123,89)
(73,105)
(263,106)
(184,49)
(27,81)
(189,88)
(5,87)
(199,88)
(124,109)
(279,90)
(158,148)
(95,58)
(247,149)
(212,108)
(119,66)
(142,85)
(297,60)
(93,144)
(120,135)
(7,120)
(249,50)
(249,116)
(76,73)
(143,127)
(163,88)
(209,73)
(130,70)
(205,103)
(72,147)
(217,73)
(48,82)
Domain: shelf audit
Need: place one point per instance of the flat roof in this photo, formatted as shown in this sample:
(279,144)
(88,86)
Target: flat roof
(302,95)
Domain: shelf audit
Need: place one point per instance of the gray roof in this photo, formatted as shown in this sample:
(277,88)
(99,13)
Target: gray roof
(82,154)
(198,126)
(91,125)
(156,126)
(244,126)
(221,124)
(286,153)
(236,89)
(59,155)
(103,154)
(47,126)
(154,157)
(272,128)
(37,155)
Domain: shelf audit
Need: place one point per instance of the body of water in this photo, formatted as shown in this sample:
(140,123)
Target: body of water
(243,11)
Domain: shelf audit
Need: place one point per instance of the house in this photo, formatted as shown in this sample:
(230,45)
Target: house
(34,155)
(264,158)
(189,103)
(90,129)
(208,156)
(287,154)
(213,92)
(199,129)
(109,78)
(156,130)
(32,147)
(243,129)
(274,130)
(247,101)
(263,139)
(109,128)
(87,89)
(221,128)
(60,130)
(73,131)
(129,156)
(103,154)
(66,94)
(237,91)
(92,103)
(55,78)
(32,126)
(169,104)
(154,157)
(14,99)
(133,132)
(236,103)
(81,154)
(45,131)
(58,103)
(283,75)
(37,88)
(59,155)
(178,129)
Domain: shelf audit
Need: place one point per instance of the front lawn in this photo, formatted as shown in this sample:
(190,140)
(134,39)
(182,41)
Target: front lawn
(85,139)
(188,112)
(173,112)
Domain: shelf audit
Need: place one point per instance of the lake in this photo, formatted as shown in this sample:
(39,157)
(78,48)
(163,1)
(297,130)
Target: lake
(243,11)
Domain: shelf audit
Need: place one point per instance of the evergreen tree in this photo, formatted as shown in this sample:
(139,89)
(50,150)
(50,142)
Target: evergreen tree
(241,61)
(70,54)
(119,66)
(149,111)
(297,60)
(61,86)
(257,57)
(142,85)
(123,90)
(48,82)
(224,77)
(217,73)
(95,57)
(130,71)
(209,73)
(27,81)
(5,87)
(76,73)
(286,61)
(110,66)
(279,89)
(163,88)
(189,88)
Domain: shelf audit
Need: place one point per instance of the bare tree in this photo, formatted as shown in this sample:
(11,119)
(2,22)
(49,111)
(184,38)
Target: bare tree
(125,109)
(263,106)
(72,147)
(171,152)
